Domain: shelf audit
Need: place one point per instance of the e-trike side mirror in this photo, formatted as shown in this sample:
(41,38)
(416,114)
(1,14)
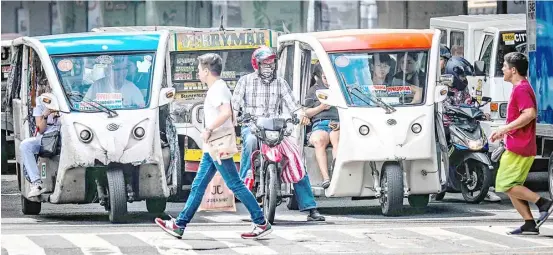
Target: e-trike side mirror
(446,80)
(166,96)
(325,97)
(50,101)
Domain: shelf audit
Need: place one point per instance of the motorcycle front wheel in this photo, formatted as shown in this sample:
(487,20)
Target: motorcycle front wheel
(475,184)
(270,198)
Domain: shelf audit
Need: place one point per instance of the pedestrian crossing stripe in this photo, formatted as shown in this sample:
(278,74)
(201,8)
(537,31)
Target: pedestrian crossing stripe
(283,240)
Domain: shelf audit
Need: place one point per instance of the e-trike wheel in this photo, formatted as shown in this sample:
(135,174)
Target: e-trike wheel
(156,205)
(30,207)
(418,201)
(439,196)
(391,182)
(271,186)
(117,195)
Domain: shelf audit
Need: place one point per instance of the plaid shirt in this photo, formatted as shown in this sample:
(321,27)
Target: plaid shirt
(252,96)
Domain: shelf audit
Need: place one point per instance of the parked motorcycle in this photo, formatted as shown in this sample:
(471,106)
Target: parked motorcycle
(469,164)
(268,161)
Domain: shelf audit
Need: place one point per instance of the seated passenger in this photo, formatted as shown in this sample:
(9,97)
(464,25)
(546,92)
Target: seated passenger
(115,81)
(380,66)
(410,76)
(325,124)
(46,122)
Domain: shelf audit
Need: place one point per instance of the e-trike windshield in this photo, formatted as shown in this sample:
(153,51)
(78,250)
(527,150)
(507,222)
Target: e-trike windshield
(397,78)
(115,81)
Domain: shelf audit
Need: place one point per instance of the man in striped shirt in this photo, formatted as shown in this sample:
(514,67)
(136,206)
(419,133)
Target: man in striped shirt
(263,94)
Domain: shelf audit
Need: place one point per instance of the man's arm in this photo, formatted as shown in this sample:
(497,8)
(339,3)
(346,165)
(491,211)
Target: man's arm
(224,115)
(238,95)
(527,116)
(525,103)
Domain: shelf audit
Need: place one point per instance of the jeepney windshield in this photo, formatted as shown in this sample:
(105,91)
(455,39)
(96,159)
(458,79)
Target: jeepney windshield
(395,78)
(116,81)
(236,63)
(510,41)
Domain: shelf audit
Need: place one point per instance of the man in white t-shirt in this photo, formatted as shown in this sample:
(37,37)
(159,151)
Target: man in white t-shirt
(218,114)
(115,82)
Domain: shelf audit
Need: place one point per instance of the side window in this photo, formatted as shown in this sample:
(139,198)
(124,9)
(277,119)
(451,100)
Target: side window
(287,63)
(457,43)
(486,54)
(443,36)
(305,73)
(36,85)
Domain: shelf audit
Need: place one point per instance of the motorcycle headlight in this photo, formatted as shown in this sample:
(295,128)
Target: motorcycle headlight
(272,135)
(475,144)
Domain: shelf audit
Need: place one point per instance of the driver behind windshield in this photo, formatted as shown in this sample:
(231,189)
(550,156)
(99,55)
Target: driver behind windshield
(410,75)
(115,81)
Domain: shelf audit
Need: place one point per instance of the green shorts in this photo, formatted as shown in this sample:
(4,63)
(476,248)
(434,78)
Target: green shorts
(513,170)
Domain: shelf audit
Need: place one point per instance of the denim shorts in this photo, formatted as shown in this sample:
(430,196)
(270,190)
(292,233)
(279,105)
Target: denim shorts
(321,125)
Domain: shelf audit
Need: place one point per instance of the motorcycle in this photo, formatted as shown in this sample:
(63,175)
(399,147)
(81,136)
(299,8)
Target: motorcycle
(268,161)
(469,164)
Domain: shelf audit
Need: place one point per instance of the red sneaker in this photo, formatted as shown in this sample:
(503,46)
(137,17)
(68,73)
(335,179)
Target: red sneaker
(258,231)
(170,227)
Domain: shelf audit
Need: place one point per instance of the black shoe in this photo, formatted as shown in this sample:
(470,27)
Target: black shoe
(314,215)
(524,231)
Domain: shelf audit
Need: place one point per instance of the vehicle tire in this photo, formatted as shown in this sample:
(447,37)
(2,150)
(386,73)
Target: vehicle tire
(292,203)
(156,205)
(418,201)
(18,171)
(117,195)
(439,196)
(481,182)
(550,170)
(391,181)
(30,207)
(271,186)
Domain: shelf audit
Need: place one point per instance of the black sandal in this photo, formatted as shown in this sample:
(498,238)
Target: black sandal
(325,184)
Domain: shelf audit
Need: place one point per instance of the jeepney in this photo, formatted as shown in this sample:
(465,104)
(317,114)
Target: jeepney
(235,46)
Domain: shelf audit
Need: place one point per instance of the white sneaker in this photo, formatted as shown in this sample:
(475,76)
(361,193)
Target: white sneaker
(492,197)
(36,189)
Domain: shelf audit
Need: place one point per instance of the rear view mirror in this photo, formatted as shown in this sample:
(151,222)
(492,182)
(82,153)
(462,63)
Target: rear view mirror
(486,99)
(440,93)
(50,101)
(325,97)
(166,96)
(446,80)
(479,68)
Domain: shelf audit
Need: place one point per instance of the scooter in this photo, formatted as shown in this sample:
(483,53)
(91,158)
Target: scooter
(268,161)
(469,164)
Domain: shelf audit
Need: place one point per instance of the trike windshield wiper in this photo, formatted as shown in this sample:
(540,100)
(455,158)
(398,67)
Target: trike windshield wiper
(93,103)
(357,92)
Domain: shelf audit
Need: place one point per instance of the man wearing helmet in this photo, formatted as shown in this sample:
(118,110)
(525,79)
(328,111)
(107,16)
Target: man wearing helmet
(263,94)
(460,68)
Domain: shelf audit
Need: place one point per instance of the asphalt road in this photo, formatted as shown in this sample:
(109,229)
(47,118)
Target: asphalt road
(352,227)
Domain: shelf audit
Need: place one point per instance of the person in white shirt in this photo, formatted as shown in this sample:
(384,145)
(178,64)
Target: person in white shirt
(115,81)
(46,122)
(218,114)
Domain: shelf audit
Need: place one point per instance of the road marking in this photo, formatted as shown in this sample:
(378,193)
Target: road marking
(381,239)
(91,244)
(444,235)
(240,247)
(165,244)
(19,221)
(294,235)
(11,194)
(501,230)
(20,244)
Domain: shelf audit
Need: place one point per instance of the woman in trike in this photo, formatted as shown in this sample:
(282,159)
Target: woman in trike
(115,143)
(385,85)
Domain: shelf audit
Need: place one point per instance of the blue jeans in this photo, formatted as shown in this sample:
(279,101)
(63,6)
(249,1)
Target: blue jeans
(304,194)
(208,168)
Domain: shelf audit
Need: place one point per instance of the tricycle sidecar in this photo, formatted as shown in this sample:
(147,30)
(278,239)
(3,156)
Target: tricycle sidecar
(387,145)
(117,143)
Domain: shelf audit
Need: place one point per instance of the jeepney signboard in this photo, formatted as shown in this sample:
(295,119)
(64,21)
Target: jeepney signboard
(223,40)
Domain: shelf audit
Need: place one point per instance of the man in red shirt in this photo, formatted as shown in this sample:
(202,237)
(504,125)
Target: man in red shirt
(520,142)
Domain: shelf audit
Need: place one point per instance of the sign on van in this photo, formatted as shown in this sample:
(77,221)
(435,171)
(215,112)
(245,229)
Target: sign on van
(222,40)
(514,38)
